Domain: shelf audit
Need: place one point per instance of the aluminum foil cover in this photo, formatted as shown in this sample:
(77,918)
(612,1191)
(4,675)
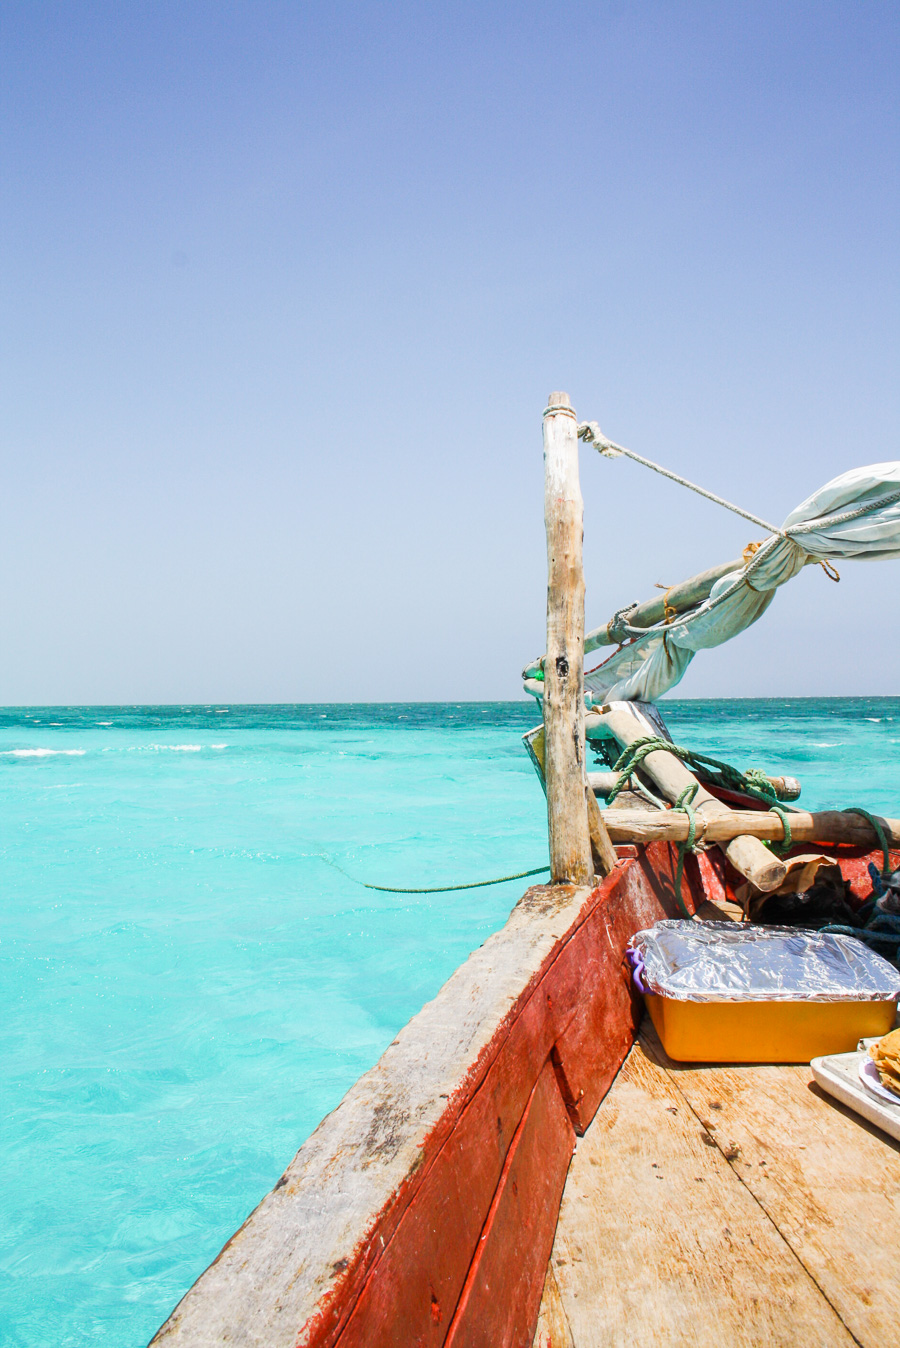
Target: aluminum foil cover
(722,961)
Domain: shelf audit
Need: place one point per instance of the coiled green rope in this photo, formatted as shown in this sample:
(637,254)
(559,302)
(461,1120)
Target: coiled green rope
(785,844)
(751,783)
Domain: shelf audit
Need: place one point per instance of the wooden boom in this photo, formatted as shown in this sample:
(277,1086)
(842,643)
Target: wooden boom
(677,599)
(825,826)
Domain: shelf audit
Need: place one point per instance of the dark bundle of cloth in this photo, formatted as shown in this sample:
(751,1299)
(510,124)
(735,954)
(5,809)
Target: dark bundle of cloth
(828,901)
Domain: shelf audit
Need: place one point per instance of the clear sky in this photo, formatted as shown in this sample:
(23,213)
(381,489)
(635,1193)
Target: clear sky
(286,285)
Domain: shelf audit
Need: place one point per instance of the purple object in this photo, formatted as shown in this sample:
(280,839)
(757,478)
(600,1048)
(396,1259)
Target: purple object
(636,961)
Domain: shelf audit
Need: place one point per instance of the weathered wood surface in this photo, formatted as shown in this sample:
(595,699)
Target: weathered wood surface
(370,1235)
(745,853)
(826,1179)
(552,1327)
(563,688)
(676,599)
(603,853)
(500,1300)
(659,1242)
(826,826)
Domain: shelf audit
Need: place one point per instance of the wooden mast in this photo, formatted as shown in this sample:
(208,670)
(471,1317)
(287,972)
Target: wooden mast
(570,843)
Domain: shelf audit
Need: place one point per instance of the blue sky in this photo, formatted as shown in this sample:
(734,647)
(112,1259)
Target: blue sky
(286,287)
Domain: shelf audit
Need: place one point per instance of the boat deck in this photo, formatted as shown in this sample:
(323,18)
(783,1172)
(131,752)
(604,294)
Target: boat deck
(724,1205)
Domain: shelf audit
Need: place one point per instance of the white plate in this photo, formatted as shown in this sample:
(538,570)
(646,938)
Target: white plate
(868,1075)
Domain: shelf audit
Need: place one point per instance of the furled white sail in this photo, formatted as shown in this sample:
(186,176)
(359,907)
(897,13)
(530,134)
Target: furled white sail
(855,516)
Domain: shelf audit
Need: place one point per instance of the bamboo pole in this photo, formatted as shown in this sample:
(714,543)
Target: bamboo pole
(745,852)
(825,826)
(563,689)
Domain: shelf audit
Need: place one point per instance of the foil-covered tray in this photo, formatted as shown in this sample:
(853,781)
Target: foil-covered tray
(724,961)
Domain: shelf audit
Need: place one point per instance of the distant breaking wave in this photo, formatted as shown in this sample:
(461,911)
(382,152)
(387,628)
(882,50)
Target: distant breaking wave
(40,753)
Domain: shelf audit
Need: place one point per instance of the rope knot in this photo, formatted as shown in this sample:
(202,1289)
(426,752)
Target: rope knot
(591,434)
(618,628)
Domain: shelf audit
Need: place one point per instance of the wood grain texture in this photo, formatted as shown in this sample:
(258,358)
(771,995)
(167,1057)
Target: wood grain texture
(501,1298)
(829,1181)
(552,1327)
(563,688)
(832,826)
(603,853)
(659,1242)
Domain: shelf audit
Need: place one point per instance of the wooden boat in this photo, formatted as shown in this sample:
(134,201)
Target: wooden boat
(524,1165)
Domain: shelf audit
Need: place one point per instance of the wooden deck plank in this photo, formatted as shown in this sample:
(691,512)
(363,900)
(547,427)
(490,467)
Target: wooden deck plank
(552,1327)
(658,1241)
(829,1181)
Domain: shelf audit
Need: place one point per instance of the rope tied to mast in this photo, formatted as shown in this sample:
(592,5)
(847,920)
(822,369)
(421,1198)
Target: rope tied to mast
(591,434)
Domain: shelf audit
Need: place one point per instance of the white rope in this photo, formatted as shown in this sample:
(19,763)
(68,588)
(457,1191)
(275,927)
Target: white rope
(591,434)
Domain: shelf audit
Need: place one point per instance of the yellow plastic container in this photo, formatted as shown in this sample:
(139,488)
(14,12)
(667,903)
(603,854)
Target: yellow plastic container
(757,1031)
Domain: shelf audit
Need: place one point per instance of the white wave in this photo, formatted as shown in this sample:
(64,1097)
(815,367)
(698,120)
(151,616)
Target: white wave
(104,722)
(218,746)
(41,753)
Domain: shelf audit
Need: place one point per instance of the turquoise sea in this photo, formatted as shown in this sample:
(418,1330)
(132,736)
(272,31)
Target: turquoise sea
(191,974)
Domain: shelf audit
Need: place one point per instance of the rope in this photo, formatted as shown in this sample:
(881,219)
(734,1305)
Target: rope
(683,803)
(446,889)
(752,783)
(880,834)
(619,629)
(785,844)
(591,434)
(883,931)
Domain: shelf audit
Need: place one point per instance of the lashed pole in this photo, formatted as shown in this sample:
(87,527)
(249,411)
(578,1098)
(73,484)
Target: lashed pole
(570,844)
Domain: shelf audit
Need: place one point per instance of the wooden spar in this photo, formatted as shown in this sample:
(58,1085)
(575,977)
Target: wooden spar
(602,850)
(675,600)
(826,826)
(602,783)
(746,853)
(563,689)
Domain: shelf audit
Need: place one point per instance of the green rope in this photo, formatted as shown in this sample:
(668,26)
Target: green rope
(445,889)
(683,803)
(879,834)
(785,844)
(751,783)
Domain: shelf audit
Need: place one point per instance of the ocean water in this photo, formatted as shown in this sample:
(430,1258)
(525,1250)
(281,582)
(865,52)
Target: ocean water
(192,975)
